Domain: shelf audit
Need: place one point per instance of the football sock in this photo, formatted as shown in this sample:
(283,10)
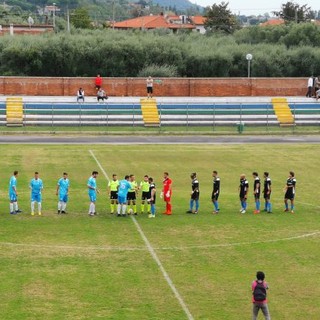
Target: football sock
(64,205)
(39,206)
(59,205)
(191,204)
(142,207)
(32,206)
(112,207)
(15,206)
(169,207)
(149,207)
(197,205)
(134,208)
(124,207)
(119,207)
(11,207)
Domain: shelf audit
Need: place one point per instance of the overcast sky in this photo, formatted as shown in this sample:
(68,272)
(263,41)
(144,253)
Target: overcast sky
(249,7)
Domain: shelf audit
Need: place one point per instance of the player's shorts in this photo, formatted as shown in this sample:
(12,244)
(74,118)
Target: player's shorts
(256,196)
(131,196)
(215,197)
(114,195)
(36,197)
(92,197)
(149,89)
(122,200)
(145,195)
(12,197)
(242,196)
(195,196)
(152,201)
(63,197)
(267,196)
(289,195)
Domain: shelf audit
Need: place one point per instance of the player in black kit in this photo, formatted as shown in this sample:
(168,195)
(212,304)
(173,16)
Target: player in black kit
(195,193)
(256,191)
(243,192)
(267,192)
(290,191)
(215,192)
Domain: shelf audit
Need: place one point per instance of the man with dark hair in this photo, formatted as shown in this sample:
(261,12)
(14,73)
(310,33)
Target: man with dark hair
(124,187)
(195,193)
(92,192)
(113,186)
(132,194)
(145,194)
(152,200)
(63,186)
(267,192)
(290,191)
(36,187)
(259,297)
(243,192)
(13,194)
(167,193)
(256,191)
(215,191)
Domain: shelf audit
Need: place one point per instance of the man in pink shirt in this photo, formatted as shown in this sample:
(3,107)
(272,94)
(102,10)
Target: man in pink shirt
(259,297)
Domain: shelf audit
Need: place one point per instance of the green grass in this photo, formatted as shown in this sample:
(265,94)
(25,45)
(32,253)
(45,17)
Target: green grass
(76,267)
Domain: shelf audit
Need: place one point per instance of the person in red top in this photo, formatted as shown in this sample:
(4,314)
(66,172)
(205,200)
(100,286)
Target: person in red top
(259,297)
(167,192)
(98,82)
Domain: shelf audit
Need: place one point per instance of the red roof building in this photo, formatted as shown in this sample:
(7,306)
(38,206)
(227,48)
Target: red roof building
(151,22)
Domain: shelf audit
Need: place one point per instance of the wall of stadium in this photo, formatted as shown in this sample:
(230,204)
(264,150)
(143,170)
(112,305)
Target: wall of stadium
(184,87)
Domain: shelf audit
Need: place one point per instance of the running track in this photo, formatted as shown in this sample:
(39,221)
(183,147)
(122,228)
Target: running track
(122,140)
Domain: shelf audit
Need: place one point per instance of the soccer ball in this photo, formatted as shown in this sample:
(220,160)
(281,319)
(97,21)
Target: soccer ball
(130,211)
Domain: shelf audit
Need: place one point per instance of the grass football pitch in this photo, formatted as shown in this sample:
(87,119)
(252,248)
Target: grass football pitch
(76,267)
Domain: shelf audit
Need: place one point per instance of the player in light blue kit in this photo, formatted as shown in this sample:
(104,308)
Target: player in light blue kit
(124,187)
(92,192)
(63,192)
(36,187)
(13,194)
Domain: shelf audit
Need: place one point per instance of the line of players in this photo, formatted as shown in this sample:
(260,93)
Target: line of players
(289,190)
(123,193)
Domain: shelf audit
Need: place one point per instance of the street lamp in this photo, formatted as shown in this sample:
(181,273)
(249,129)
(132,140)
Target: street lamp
(54,15)
(249,58)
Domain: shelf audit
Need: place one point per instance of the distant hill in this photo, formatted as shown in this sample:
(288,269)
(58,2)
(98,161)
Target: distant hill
(180,5)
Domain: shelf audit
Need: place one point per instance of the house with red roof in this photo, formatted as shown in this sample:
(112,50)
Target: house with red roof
(153,22)
(199,22)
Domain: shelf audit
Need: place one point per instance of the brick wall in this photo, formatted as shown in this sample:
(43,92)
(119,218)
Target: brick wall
(215,87)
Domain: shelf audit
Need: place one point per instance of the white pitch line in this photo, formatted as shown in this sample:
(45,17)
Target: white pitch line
(153,254)
(308,204)
(116,248)
(100,166)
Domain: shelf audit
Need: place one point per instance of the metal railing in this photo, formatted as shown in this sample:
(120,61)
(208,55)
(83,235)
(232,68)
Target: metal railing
(203,118)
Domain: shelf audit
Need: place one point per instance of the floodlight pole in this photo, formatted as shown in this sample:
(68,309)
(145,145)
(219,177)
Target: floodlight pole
(249,58)
(54,16)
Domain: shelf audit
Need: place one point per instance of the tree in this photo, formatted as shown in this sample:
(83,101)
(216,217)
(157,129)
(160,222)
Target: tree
(293,12)
(220,18)
(80,19)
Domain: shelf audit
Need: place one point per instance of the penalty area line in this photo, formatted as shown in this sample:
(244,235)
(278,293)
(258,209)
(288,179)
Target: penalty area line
(153,253)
